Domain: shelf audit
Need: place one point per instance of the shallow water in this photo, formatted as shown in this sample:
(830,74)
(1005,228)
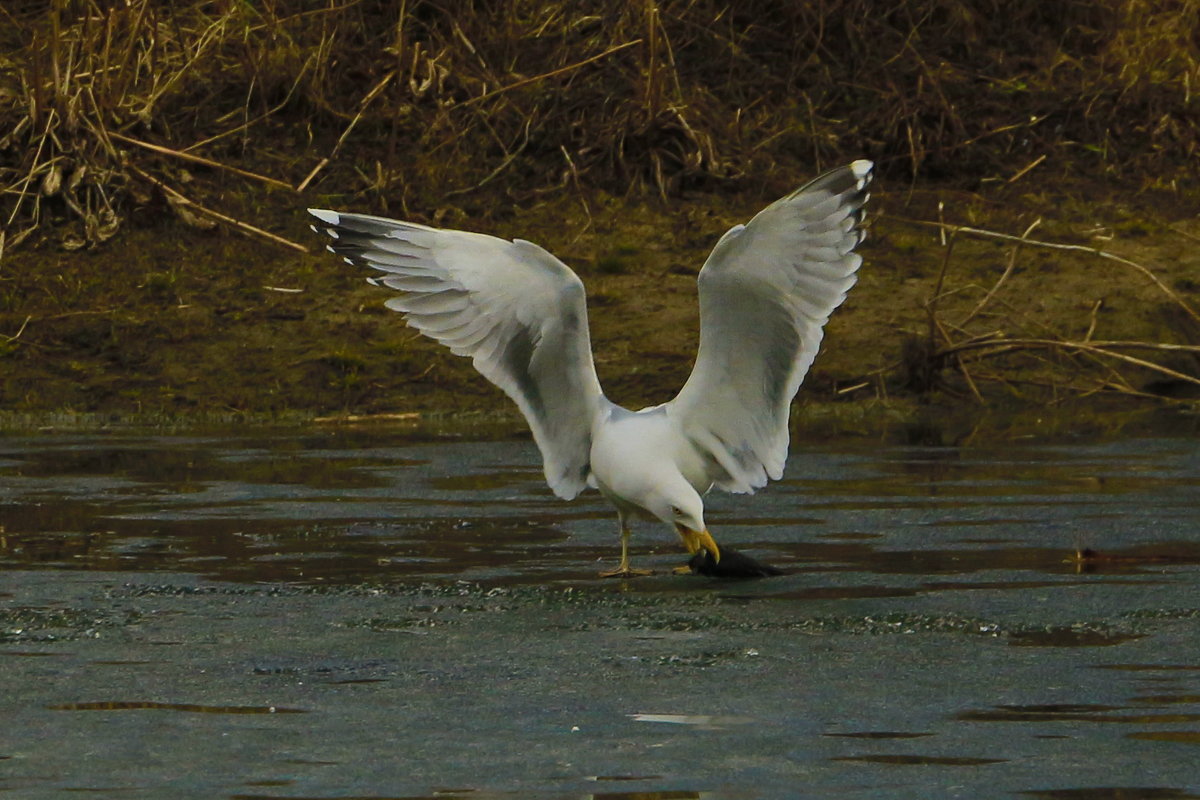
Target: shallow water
(348,614)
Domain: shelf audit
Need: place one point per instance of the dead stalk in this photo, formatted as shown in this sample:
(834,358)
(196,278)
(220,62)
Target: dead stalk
(1184,234)
(34,171)
(992,347)
(237,224)
(932,302)
(1000,339)
(545,75)
(207,162)
(574,174)
(1008,270)
(20,330)
(1073,248)
(362,108)
(1028,168)
(1096,306)
(249,123)
(508,160)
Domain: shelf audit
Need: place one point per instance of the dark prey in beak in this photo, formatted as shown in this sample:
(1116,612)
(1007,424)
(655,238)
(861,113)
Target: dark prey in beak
(732,565)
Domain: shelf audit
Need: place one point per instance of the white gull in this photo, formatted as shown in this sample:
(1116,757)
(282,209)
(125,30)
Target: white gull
(520,314)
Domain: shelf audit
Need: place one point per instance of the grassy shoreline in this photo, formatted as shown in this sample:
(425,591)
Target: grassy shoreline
(893,421)
(141,142)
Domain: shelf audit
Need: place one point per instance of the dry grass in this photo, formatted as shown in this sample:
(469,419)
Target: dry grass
(235,114)
(414,104)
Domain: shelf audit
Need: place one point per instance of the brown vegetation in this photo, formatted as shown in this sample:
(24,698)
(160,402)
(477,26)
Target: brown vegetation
(414,103)
(236,114)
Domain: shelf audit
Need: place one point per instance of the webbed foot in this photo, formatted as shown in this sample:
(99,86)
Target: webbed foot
(625,571)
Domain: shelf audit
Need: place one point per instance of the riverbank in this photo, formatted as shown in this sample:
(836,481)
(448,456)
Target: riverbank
(168,324)
(1033,223)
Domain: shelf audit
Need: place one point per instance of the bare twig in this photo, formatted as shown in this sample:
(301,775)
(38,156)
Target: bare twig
(966,373)
(244,227)
(853,388)
(550,74)
(362,108)
(1074,248)
(1008,270)
(503,166)
(208,162)
(402,416)
(1100,348)
(259,118)
(1096,306)
(1185,234)
(931,303)
(1114,344)
(1020,174)
(20,330)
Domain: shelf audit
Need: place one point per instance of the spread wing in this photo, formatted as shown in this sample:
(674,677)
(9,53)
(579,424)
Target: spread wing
(517,311)
(766,292)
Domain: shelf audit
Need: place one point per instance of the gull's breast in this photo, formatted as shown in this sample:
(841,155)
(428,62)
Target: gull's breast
(631,450)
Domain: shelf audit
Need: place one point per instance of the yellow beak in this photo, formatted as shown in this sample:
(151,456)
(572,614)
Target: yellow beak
(695,541)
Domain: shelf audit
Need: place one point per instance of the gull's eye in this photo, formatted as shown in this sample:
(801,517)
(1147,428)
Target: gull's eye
(676,511)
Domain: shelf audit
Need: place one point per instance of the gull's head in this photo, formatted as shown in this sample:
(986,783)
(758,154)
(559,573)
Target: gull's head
(686,517)
(676,503)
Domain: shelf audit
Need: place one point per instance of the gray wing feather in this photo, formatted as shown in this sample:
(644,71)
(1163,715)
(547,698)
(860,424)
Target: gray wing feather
(766,292)
(518,312)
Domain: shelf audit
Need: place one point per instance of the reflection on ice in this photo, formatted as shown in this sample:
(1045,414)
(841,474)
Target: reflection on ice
(337,507)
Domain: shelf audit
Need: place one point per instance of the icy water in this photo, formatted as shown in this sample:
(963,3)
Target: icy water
(372,614)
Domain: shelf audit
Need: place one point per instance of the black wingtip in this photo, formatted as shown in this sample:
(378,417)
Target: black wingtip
(852,178)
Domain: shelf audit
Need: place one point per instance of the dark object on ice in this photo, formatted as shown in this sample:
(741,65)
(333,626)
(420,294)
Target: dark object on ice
(732,565)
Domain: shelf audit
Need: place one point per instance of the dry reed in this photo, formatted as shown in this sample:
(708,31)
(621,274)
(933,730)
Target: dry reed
(417,102)
(204,104)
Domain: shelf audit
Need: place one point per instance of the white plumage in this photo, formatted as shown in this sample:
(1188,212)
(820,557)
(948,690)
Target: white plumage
(520,314)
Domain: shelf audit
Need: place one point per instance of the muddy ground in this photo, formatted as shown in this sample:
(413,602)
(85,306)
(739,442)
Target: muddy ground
(166,322)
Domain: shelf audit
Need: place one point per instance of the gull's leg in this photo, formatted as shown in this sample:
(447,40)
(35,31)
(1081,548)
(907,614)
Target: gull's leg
(623,569)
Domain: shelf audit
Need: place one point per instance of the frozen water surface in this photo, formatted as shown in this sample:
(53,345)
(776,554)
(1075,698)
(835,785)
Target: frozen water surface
(346,615)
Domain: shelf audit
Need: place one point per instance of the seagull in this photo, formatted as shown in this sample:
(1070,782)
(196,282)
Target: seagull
(520,314)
